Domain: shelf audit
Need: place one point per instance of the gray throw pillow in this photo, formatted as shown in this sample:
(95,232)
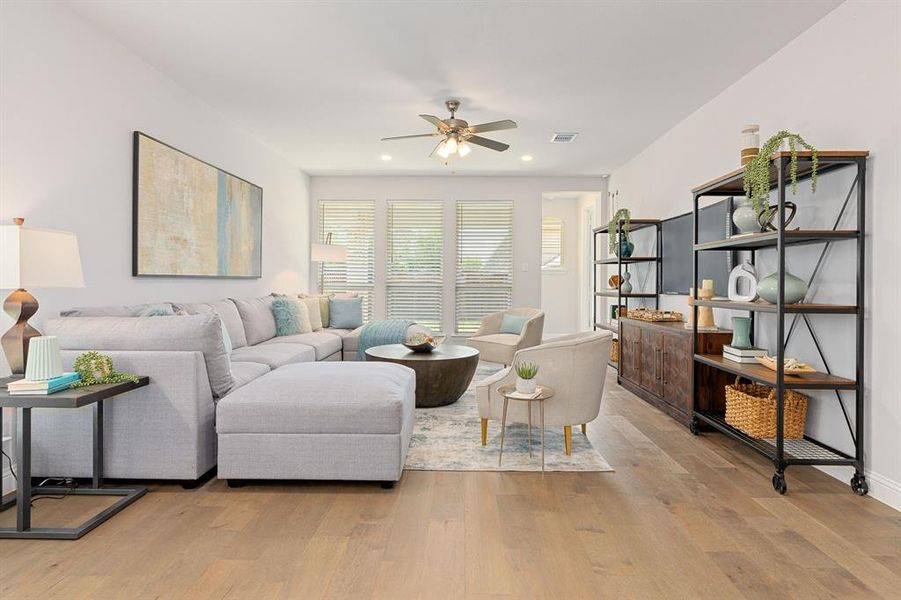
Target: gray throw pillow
(256,314)
(345,313)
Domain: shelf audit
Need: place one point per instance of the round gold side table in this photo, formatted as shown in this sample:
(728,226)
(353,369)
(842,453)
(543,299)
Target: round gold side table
(509,392)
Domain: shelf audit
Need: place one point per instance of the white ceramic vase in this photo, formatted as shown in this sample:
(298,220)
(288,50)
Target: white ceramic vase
(44,361)
(526,386)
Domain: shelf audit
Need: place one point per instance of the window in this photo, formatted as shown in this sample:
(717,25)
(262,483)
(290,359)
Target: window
(352,224)
(414,280)
(551,244)
(484,261)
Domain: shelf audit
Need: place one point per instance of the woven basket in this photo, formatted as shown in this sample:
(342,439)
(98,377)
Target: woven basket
(752,408)
(614,351)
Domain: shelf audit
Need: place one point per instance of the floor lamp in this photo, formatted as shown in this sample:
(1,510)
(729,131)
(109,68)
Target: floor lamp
(327,253)
(32,258)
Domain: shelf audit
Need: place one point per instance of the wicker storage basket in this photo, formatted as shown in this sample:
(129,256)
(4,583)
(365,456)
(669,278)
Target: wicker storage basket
(614,351)
(752,408)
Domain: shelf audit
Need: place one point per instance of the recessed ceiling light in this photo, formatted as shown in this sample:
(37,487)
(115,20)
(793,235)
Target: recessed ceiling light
(386,157)
(527,158)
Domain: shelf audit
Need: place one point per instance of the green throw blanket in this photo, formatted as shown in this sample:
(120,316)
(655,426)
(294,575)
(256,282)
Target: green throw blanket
(380,333)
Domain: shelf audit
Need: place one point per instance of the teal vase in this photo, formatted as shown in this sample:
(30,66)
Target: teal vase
(741,332)
(625,247)
(795,288)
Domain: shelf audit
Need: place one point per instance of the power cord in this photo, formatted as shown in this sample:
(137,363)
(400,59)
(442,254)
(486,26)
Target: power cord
(70,483)
(10,461)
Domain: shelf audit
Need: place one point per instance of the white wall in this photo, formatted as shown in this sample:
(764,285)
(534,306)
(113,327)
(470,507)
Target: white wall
(70,98)
(839,85)
(524,191)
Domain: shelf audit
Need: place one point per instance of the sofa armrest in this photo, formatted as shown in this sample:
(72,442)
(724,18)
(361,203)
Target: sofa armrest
(532,332)
(491,323)
(165,430)
(486,390)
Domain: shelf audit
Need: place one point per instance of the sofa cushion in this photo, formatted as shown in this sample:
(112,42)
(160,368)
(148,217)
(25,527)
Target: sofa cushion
(323,342)
(345,312)
(314,310)
(274,355)
(201,333)
(122,310)
(323,398)
(245,372)
(226,310)
(351,340)
(506,340)
(291,316)
(256,316)
(513,324)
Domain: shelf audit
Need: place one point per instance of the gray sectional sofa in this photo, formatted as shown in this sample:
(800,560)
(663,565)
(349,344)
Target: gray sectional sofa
(225,389)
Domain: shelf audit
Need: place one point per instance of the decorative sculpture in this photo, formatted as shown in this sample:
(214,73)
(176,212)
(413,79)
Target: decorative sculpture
(743,272)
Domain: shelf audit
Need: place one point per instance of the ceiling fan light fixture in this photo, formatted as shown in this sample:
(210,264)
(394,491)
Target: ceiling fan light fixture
(463,149)
(451,145)
(443,151)
(526,158)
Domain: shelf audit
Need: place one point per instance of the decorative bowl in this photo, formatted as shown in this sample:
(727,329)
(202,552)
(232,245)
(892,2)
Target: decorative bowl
(428,344)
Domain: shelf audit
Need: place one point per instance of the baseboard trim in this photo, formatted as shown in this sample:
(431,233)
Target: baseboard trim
(882,488)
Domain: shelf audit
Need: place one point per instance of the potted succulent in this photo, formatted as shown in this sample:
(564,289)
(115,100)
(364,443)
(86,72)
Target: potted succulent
(625,247)
(757,172)
(525,378)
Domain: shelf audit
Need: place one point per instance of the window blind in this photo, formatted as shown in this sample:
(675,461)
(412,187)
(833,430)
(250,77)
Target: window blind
(352,224)
(414,283)
(484,281)
(551,243)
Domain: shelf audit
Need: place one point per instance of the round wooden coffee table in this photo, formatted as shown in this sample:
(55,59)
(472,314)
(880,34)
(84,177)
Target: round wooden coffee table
(442,375)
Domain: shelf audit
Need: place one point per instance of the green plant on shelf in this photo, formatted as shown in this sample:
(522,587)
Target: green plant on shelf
(624,215)
(526,370)
(757,171)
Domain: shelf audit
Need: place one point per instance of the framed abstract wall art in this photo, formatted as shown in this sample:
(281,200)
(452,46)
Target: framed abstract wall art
(191,219)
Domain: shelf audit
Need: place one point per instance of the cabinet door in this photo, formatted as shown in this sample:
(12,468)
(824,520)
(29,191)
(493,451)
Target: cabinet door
(677,364)
(651,359)
(630,361)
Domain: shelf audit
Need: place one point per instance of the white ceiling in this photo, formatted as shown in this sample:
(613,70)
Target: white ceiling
(322,82)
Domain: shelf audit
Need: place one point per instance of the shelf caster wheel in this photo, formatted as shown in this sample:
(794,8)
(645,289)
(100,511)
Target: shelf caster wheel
(859,485)
(779,483)
(694,426)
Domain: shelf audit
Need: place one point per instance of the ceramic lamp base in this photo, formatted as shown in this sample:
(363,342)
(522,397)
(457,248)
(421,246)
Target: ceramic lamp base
(20,306)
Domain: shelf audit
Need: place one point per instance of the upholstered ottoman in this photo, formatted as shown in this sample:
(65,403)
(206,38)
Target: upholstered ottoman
(326,420)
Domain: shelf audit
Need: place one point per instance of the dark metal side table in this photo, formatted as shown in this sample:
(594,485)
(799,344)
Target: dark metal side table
(77,398)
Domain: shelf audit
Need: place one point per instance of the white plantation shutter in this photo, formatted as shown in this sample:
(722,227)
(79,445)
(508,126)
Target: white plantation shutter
(352,224)
(484,261)
(414,279)
(551,243)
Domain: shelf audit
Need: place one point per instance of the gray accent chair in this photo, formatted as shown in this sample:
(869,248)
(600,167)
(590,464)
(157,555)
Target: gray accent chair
(497,347)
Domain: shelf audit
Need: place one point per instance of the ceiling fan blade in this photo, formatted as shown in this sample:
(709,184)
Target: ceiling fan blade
(493,126)
(486,143)
(441,125)
(406,137)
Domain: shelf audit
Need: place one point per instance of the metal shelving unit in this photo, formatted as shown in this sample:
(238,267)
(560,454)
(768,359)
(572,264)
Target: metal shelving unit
(807,451)
(619,261)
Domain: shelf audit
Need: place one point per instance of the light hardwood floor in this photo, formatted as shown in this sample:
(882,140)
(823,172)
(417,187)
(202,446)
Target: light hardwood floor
(682,517)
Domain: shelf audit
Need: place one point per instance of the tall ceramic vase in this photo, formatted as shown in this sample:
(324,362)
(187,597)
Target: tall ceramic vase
(745,217)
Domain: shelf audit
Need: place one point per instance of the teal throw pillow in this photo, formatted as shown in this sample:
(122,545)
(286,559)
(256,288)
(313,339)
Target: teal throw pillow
(513,324)
(157,310)
(287,315)
(345,313)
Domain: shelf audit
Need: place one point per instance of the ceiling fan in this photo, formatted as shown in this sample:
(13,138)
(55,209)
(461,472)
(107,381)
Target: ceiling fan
(457,134)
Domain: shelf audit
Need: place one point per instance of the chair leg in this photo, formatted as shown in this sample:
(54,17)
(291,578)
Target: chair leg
(568,439)
(484,431)
(584,428)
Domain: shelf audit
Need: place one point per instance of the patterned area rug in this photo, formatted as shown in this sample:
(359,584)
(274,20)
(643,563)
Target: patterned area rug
(449,439)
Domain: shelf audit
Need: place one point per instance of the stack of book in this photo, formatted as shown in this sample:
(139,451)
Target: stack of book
(25,387)
(742,355)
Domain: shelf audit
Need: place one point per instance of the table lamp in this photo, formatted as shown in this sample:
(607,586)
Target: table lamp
(32,258)
(326,253)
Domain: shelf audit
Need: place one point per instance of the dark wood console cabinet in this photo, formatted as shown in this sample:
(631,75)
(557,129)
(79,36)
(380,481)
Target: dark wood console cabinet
(655,363)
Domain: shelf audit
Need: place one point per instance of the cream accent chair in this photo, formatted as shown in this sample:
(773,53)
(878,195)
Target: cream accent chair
(574,365)
(494,346)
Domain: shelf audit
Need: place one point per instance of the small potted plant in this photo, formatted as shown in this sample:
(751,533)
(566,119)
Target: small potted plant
(624,247)
(757,173)
(525,377)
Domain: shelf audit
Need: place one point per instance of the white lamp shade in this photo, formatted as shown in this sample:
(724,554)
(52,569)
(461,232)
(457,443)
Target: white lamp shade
(38,258)
(328,253)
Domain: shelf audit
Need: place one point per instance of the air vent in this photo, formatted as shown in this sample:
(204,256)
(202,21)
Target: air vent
(563,138)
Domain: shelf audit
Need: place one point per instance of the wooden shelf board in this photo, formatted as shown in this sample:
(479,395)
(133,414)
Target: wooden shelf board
(761,306)
(770,239)
(760,374)
(633,225)
(613,294)
(732,183)
(631,259)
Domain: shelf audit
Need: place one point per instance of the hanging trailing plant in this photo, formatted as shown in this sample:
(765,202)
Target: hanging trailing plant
(757,171)
(624,215)
(95,368)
